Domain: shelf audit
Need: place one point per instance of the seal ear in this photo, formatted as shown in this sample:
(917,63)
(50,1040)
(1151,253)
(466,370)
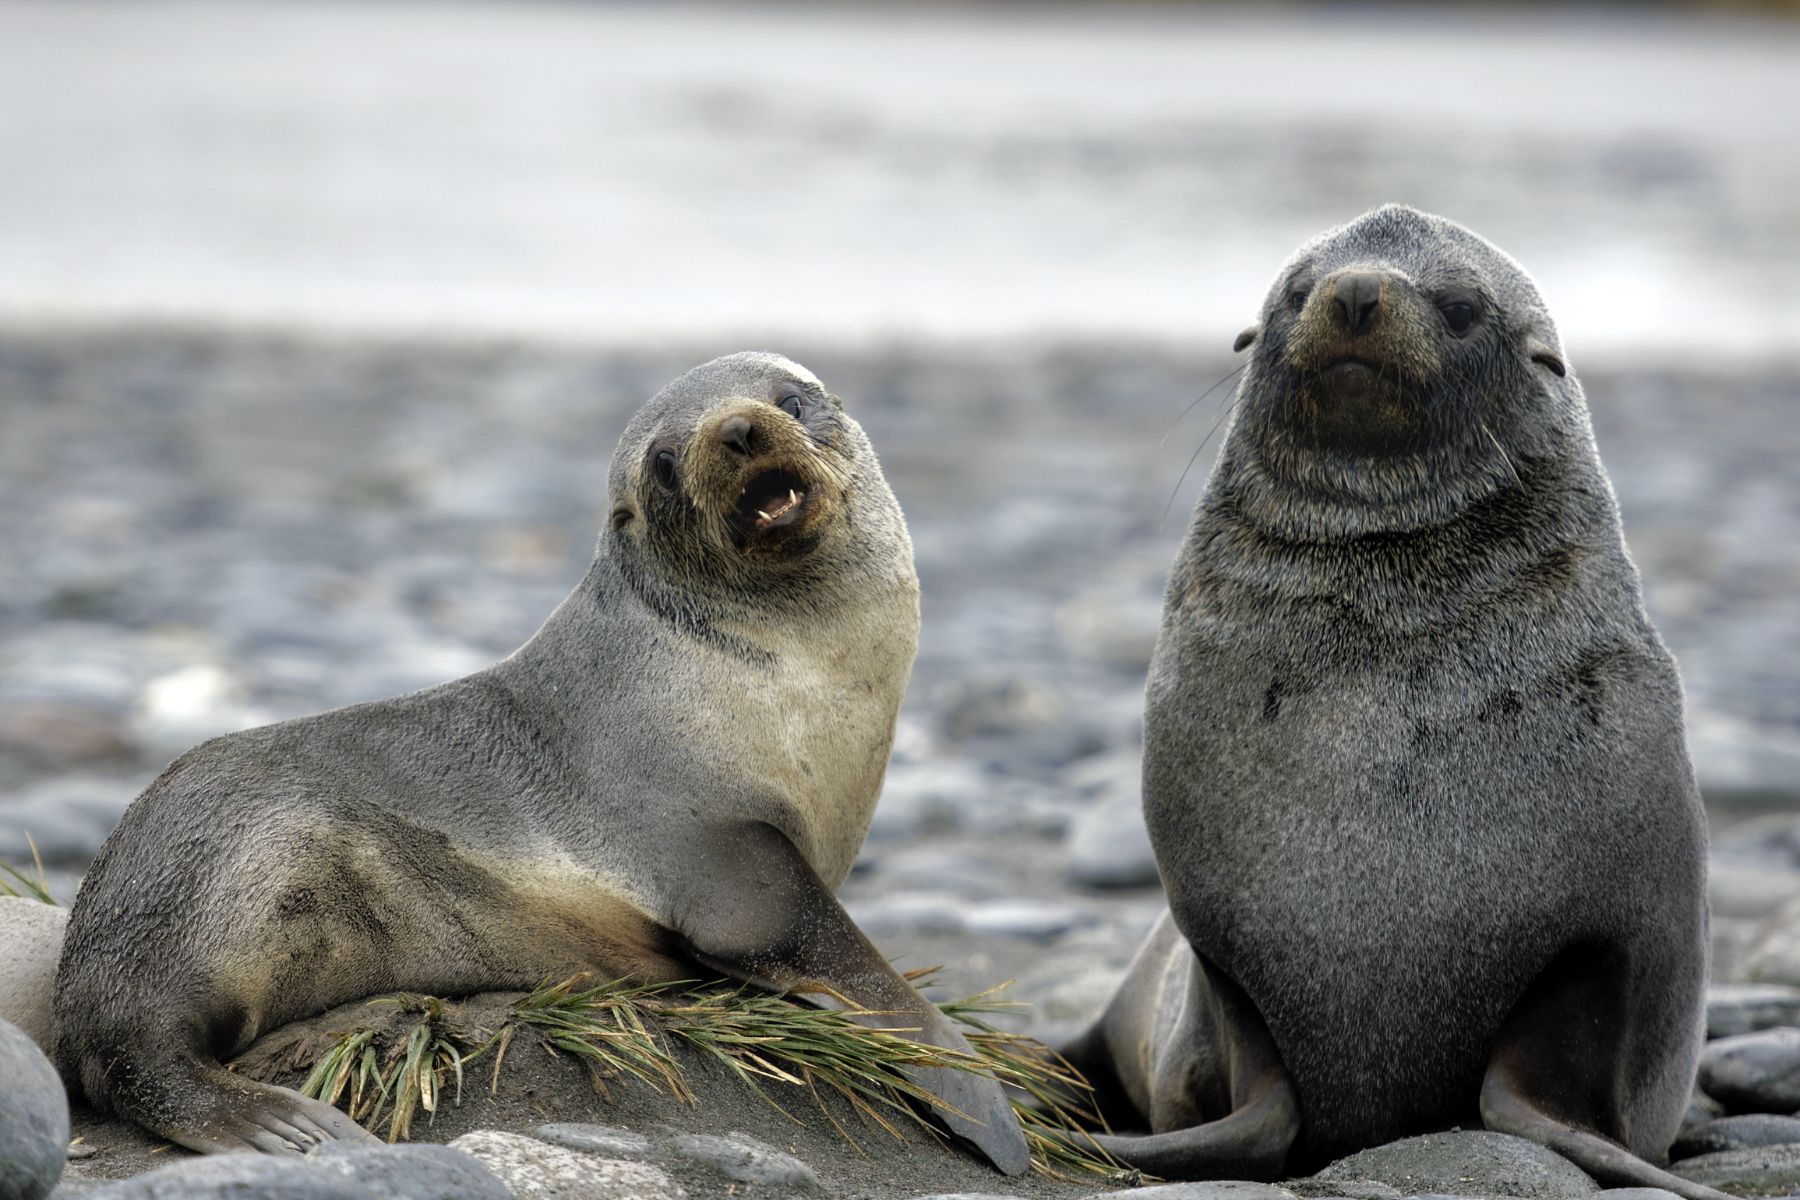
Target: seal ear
(1539,350)
(1245,338)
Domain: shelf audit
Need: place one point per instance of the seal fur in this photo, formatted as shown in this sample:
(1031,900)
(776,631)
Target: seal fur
(670,778)
(1415,771)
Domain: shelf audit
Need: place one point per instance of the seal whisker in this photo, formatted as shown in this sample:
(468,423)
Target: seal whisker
(1238,370)
(1194,457)
(1504,456)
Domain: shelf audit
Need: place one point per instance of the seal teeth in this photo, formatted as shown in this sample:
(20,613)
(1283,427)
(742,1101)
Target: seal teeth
(765,516)
(792,499)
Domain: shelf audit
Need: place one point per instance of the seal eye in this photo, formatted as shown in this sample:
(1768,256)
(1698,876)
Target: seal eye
(1296,299)
(663,467)
(793,406)
(1458,314)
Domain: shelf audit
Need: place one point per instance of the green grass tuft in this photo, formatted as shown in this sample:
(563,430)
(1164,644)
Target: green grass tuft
(12,879)
(622,1030)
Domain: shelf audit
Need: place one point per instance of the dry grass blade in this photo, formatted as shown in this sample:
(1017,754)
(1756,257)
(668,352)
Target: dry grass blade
(33,889)
(621,1030)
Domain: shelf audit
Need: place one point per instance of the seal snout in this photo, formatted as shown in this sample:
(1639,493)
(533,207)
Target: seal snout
(1356,300)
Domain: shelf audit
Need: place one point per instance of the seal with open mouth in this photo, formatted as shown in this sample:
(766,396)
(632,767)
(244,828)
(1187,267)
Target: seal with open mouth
(1414,765)
(670,779)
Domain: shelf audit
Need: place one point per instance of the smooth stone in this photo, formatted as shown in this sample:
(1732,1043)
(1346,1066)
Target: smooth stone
(31,937)
(965,1196)
(748,1160)
(1744,890)
(1738,1008)
(596,1139)
(1701,1109)
(534,1170)
(909,913)
(1773,953)
(246,1176)
(413,1172)
(1028,920)
(1747,1132)
(928,797)
(1760,1171)
(1476,1162)
(1331,1189)
(1109,846)
(1754,1072)
(1636,1193)
(34,1119)
(1218,1189)
(66,817)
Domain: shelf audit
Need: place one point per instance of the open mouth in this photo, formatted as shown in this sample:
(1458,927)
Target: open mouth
(771,500)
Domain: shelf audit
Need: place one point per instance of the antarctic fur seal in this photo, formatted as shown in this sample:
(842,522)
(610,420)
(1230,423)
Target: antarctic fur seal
(670,778)
(1414,766)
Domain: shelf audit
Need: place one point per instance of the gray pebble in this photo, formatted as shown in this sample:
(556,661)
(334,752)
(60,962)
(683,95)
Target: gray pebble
(909,913)
(1754,1072)
(1334,1189)
(34,1119)
(1738,1008)
(744,1158)
(1476,1162)
(1109,847)
(1766,1169)
(237,1177)
(1029,920)
(413,1172)
(1746,1132)
(1635,1193)
(596,1139)
(1218,1189)
(534,1170)
(1701,1109)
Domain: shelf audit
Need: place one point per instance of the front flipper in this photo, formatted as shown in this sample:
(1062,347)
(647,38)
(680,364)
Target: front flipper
(756,911)
(1183,1046)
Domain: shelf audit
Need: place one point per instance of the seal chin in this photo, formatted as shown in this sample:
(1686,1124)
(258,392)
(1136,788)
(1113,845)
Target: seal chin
(772,502)
(1351,379)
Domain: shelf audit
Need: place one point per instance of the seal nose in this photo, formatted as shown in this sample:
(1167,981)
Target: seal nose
(735,433)
(1356,298)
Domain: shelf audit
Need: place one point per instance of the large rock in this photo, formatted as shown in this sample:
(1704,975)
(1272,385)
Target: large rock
(1217,1189)
(534,1170)
(413,1172)
(1766,1171)
(34,1119)
(1754,1072)
(236,1177)
(1476,1163)
(31,937)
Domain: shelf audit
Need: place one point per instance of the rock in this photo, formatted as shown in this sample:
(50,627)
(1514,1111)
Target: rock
(596,1139)
(413,1172)
(930,797)
(1773,955)
(744,1158)
(34,1119)
(1747,1132)
(534,1170)
(65,816)
(1766,1170)
(237,1177)
(1754,1072)
(1109,847)
(1635,1193)
(1738,1008)
(1701,1109)
(31,936)
(908,913)
(1739,890)
(57,735)
(1028,920)
(1323,1189)
(1475,1162)
(1220,1189)
(1732,938)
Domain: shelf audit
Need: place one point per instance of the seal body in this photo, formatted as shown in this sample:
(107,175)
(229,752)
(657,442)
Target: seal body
(668,781)
(1415,770)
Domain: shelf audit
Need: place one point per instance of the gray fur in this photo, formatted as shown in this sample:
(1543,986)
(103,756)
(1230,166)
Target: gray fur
(1411,739)
(558,812)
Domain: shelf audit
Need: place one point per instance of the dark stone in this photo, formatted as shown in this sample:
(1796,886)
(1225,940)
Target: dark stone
(1739,1008)
(245,1176)
(34,1119)
(1478,1163)
(1765,1170)
(1754,1072)
(414,1172)
(1746,1132)
(748,1160)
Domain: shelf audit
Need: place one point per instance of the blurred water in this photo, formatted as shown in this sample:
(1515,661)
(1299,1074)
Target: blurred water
(617,173)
